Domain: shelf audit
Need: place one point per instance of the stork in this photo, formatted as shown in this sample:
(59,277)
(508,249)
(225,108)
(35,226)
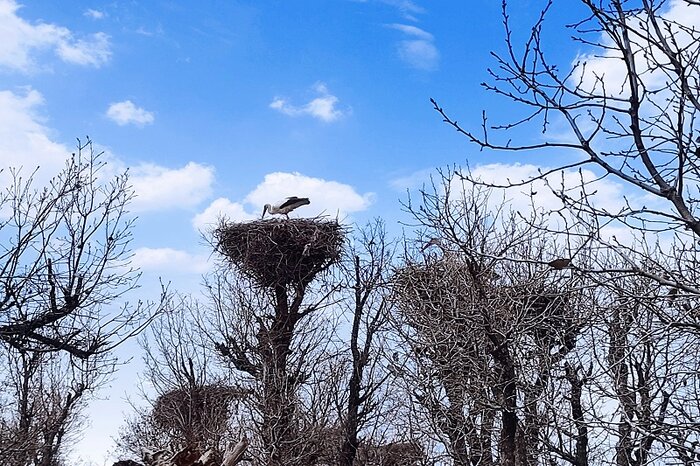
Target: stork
(286,206)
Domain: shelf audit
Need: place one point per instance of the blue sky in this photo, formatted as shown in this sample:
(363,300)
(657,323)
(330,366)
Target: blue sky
(206,101)
(218,107)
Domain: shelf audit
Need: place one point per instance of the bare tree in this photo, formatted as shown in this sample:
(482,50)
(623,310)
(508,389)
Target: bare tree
(190,402)
(45,394)
(488,325)
(333,384)
(268,327)
(532,358)
(65,257)
(630,104)
(366,270)
(64,264)
(641,383)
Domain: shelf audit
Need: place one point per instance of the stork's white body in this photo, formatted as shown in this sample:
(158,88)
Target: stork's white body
(286,206)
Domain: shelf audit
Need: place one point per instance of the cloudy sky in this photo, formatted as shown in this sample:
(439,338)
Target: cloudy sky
(218,107)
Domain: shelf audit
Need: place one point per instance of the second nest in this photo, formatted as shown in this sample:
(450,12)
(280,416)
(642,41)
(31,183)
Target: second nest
(281,252)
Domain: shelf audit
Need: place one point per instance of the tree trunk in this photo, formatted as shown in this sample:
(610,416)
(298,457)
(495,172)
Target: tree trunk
(581,453)
(618,329)
(279,432)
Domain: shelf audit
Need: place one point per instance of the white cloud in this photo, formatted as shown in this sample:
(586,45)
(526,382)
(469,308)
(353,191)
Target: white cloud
(21,40)
(221,208)
(608,66)
(159,188)
(537,196)
(94,14)
(603,193)
(418,50)
(419,54)
(169,260)
(322,107)
(124,113)
(684,13)
(24,140)
(329,198)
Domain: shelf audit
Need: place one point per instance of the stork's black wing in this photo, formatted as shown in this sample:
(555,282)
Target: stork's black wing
(294,201)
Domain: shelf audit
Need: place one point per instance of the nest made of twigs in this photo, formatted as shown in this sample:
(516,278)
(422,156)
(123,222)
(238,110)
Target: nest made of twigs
(207,403)
(281,252)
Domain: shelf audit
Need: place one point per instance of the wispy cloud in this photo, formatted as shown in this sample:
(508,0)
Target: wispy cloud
(418,49)
(21,40)
(407,8)
(94,51)
(124,113)
(94,14)
(414,180)
(412,31)
(150,31)
(323,107)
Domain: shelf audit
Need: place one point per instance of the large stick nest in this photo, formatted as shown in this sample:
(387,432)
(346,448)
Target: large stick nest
(281,252)
(446,291)
(204,404)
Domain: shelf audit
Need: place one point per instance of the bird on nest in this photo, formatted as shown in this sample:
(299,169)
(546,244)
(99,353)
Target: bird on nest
(286,206)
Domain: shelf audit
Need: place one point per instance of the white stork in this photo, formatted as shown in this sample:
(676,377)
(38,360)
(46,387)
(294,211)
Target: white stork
(286,206)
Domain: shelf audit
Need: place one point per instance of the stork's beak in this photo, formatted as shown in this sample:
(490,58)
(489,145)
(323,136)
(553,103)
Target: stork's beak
(264,210)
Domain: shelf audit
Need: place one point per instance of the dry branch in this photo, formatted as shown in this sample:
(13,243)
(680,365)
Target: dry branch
(190,456)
